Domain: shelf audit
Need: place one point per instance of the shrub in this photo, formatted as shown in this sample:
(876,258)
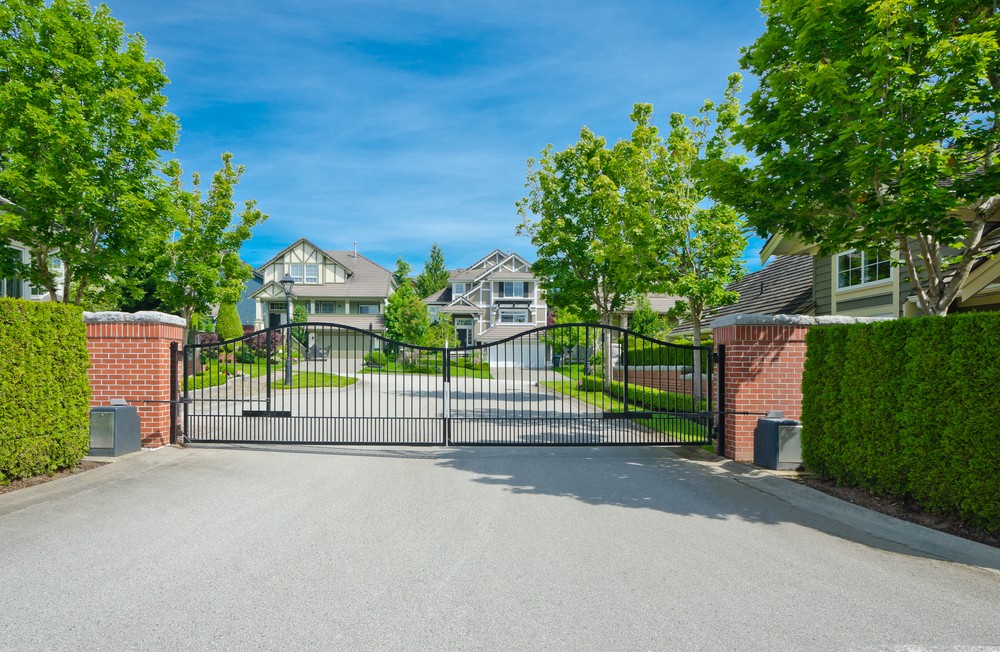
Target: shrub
(376,359)
(642,396)
(908,408)
(44,391)
(645,354)
(228,324)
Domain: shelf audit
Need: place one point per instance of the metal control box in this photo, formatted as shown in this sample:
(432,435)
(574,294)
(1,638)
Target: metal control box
(777,444)
(114,430)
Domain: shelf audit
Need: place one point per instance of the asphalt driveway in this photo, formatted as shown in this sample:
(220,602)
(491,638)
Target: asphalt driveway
(497,548)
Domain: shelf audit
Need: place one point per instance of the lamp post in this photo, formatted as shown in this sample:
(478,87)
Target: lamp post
(286,284)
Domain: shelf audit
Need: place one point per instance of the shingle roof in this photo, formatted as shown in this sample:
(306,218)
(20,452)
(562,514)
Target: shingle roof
(503,331)
(357,321)
(785,287)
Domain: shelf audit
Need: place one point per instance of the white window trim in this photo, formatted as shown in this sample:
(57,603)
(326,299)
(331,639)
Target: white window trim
(864,284)
(512,313)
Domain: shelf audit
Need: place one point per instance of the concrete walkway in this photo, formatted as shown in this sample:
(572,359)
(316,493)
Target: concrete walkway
(497,548)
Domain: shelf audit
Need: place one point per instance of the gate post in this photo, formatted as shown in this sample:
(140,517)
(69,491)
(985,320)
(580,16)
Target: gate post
(131,358)
(446,411)
(763,356)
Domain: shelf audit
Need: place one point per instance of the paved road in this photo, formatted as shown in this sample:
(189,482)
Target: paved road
(507,549)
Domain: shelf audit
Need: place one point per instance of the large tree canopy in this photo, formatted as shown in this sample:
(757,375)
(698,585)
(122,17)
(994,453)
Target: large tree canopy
(702,251)
(201,264)
(82,125)
(594,225)
(875,127)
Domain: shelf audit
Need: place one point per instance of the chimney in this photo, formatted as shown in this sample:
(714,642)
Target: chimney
(355,248)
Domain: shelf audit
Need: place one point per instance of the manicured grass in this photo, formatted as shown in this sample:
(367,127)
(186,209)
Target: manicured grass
(306,379)
(217,374)
(679,427)
(428,368)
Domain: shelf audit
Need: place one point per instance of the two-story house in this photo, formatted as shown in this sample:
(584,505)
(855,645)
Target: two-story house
(334,287)
(865,284)
(495,298)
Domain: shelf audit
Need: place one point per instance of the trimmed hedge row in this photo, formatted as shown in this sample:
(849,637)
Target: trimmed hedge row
(44,391)
(909,408)
(664,356)
(642,396)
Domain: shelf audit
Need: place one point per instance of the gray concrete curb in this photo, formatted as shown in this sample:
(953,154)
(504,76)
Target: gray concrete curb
(925,540)
(125,466)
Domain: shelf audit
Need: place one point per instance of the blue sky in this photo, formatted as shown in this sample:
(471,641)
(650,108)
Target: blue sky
(397,124)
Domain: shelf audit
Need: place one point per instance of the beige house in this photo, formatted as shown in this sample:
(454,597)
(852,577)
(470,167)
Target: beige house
(495,298)
(335,287)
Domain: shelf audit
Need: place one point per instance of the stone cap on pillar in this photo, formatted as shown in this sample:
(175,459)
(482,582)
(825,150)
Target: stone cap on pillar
(141,317)
(791,320)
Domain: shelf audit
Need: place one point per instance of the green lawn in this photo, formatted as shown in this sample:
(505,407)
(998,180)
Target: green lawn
(306,379)
(217,374)
(679,427)
(430,368)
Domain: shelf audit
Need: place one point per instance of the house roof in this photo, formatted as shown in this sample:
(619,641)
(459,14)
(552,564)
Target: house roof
(297,243)
(785,287)
(441,296)
(659,302)
(365,278)
(377,322)
(503,331)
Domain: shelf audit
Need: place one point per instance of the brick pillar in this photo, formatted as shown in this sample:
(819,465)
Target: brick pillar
(765,355)
(130,359)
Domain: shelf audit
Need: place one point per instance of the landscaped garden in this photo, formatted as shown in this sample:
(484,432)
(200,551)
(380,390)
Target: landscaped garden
(608,397)
(425,362)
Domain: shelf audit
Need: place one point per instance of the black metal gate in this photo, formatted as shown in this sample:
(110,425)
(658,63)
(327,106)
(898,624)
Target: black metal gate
(575,384)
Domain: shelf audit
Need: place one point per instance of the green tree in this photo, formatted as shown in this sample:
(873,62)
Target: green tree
(83,120)
(402,271)
(406,317)
(434,276)
(228,324)
(875,127)
(441,333)
(201,265)
(702,252)
(589,232)
(596,234)
(646,322)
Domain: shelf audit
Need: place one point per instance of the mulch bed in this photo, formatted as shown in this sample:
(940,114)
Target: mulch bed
(85,465)
(905,510)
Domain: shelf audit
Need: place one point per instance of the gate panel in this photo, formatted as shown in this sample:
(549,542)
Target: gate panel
(349,389)
(582,384)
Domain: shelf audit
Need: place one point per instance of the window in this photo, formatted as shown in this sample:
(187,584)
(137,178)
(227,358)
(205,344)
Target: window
(274,306)
(326,307)
(513,316)
(856,268)
(512,289)
(304,273)
(463,322)
(457,289)
(367,308)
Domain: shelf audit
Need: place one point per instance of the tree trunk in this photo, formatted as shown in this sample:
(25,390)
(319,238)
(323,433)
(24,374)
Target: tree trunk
(696,331)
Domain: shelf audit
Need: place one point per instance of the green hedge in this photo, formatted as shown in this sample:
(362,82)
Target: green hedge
(909,408)
(659,355)
(645,397)
(44,392)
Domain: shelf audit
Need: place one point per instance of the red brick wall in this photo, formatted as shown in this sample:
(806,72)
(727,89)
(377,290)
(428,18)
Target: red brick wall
(763,371)
(131,361)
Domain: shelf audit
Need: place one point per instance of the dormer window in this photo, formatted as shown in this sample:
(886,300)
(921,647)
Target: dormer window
(304,273)
(457,289)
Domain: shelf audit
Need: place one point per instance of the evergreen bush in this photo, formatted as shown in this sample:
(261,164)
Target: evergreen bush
(44,390)
(909,408)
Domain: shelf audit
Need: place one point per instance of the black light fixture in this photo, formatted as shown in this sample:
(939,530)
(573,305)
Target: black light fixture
(286,284)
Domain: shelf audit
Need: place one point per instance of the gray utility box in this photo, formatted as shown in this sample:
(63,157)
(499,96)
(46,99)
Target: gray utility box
(777,444)
(114,430)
